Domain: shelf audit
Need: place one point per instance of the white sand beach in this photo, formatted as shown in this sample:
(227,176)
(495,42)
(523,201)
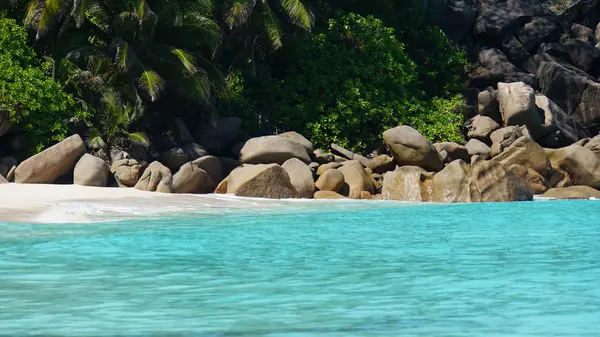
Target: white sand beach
(45,203)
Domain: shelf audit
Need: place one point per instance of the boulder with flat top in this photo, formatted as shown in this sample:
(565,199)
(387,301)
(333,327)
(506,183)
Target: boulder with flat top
(272,150)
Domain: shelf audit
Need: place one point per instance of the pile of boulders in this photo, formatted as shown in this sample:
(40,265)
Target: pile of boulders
(504,163)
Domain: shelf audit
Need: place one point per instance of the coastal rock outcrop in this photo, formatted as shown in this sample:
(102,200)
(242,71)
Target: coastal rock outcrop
(581,164)
(517,106)
(192,179)
(218,136)
(272,150)
(126,172)
(407,183)
(453,183)
(260,181)
(331,180)
(156,177)
(409,147)
(572,192)
(382,163)
(55,161)
(536,181)
(91,171)
(527,153)
(301,177)
(492,182)
(357,179)
(453,151)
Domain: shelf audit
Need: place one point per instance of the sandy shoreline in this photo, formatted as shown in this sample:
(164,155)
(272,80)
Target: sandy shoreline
(41,203)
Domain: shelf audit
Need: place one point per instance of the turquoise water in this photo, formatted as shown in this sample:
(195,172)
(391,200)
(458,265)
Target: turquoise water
(519,269)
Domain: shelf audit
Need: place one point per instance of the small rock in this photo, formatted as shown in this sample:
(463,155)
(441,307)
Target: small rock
(323,168)
(192,179)
(536,181)
(357,179)
(328,195)
(126,172)
(454,151)
(349,155)
(480,127)
(572,192)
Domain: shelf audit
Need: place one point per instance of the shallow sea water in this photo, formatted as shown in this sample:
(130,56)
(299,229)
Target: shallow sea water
(518,269)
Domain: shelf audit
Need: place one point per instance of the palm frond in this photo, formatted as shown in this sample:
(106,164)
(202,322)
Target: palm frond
(95,140)
(151,83)
(123,55)
(138,138)
(239,12)
(272,26)
(187,60)
(298,13)
(78,11)
(43,14)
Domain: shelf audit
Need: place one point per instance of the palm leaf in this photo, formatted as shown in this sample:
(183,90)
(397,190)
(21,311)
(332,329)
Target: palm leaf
(151,83)
(138,138)
(95,140)
(43,14)
(123,55)
(79,9)
(272,26)
(239,12)
(187,60)
(298,13)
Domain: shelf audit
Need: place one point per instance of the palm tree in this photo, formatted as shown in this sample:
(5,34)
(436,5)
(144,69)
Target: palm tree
(270,14)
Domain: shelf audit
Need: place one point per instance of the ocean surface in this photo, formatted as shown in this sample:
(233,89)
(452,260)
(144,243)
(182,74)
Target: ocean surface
(506,269)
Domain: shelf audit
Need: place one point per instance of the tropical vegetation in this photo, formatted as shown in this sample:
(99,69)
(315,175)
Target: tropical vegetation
(117,71)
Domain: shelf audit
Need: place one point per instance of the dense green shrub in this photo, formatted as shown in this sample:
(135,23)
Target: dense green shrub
(36,103)
(346,84)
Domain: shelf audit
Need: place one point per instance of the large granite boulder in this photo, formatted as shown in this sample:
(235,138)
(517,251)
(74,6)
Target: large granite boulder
(192,179)
(336,149)
(175,158)
(563,130)
(156,178)
(452,184)
(583,34)
(126,172)
(213,166)
(478,148)
(216,137)
(260,181)
(504,137)
(409,147)
(580,163)
(301,177)
(487,105)
(324,168)
(527,153)
(536,181)
(493,182)
(498,64)
(180,132)
(576,94)
(481,127)
(407,183)
(300,139)
(582,55)
(357,179)
(517,106)
(331,180)
(538,31)
(453,151)
(500,18)
(382,164)
(272,150)
(91,171)
(572,192)
(53,162)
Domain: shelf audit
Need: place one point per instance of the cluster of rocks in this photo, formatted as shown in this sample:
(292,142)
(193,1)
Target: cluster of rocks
(513,168)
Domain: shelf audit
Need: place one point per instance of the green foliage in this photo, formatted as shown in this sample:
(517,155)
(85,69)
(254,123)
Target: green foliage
(113,122)
(347,84)
(33,99)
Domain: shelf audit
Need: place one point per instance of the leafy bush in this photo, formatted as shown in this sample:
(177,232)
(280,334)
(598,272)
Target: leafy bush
(35,102)
(347,84)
